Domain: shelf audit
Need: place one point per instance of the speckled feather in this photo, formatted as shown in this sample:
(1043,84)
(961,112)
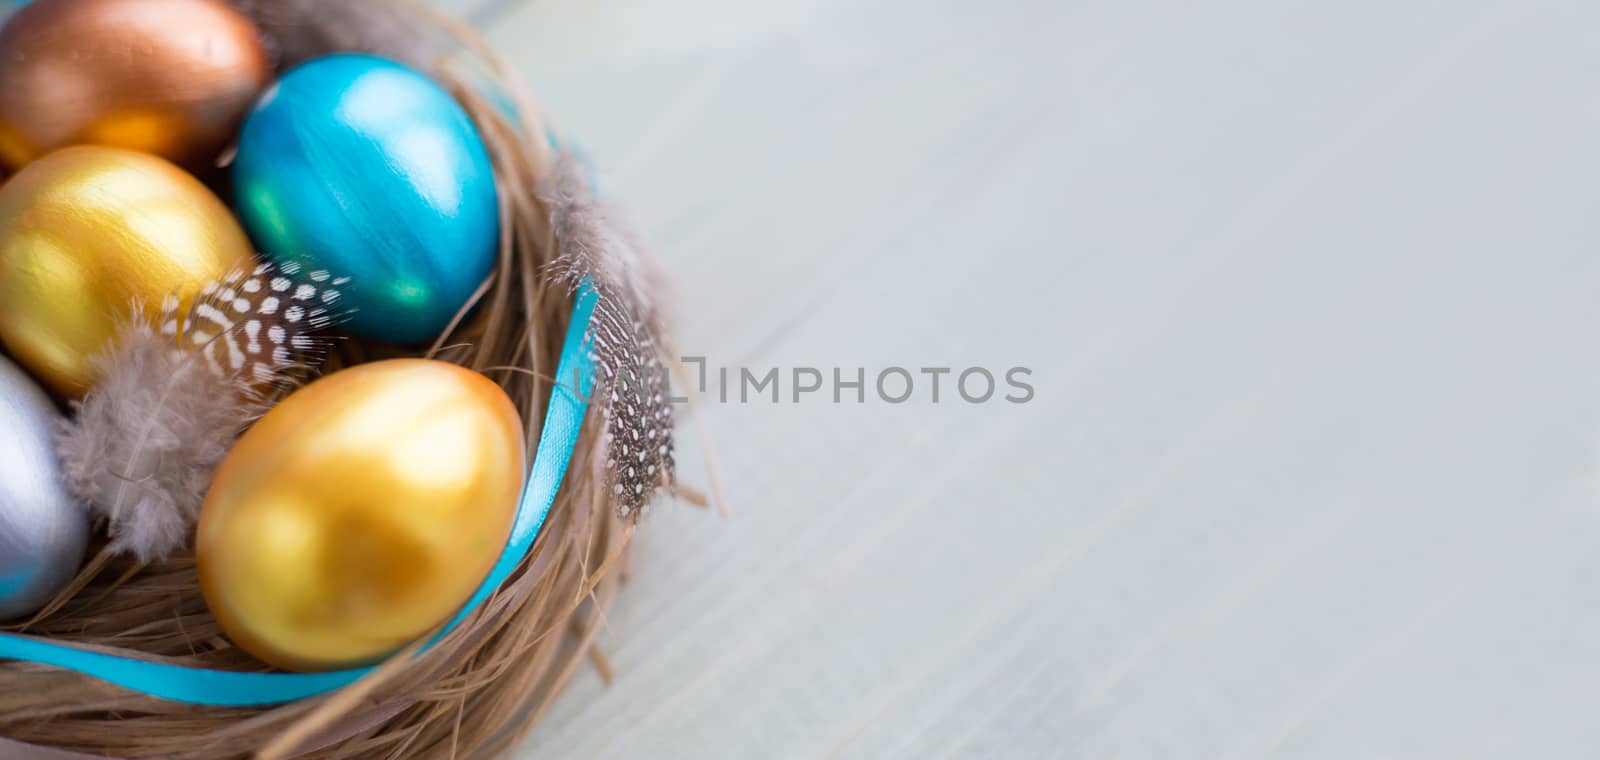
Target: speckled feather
(626,333)
(175,394)
(261,324)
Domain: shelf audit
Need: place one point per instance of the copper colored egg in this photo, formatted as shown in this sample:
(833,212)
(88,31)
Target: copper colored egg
(170,77)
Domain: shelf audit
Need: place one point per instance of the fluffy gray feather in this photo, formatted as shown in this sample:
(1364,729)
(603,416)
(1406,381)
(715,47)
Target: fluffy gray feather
(627,335)
(176,393)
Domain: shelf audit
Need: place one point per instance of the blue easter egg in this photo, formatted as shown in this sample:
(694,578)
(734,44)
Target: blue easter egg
(370,170)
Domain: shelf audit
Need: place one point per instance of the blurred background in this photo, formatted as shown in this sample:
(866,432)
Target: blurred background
(1307,293)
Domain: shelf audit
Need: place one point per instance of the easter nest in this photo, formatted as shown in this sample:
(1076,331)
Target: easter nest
(484,683)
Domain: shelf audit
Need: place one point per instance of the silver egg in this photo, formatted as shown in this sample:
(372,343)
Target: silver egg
(43,530)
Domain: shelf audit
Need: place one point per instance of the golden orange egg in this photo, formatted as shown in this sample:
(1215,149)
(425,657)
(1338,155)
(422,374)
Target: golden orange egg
(86,232)
(170,77)
(360,513)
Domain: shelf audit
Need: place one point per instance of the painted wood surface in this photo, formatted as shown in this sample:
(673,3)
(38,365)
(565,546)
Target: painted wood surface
(1307,292)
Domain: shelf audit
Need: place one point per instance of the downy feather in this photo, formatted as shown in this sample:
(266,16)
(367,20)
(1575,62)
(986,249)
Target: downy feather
(176,393)
(627,336)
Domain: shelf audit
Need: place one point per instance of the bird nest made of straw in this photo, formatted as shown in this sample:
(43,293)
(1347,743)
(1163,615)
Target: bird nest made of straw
(481,685)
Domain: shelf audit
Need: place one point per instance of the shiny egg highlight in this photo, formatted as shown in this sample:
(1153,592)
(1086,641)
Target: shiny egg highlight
(87,232)
(367,168)
(361,512)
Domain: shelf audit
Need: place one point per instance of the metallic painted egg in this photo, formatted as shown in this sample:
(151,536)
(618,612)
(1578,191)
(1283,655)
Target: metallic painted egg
(368,169)
(42,529)
(87,231)
(360,513)
(170,77)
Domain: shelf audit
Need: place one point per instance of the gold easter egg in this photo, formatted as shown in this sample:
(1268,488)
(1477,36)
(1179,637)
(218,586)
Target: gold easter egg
(85,233)
(360,513)
(170,77)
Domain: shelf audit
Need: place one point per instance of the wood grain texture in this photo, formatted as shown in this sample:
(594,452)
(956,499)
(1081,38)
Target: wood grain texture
(1307,292)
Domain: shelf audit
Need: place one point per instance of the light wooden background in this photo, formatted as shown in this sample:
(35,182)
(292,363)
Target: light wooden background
(1309,292)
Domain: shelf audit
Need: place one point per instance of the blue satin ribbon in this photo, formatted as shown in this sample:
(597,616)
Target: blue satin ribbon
(557,441)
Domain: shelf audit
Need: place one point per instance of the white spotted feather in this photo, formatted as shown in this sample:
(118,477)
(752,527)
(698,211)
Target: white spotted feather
(176,393)
(627,333)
